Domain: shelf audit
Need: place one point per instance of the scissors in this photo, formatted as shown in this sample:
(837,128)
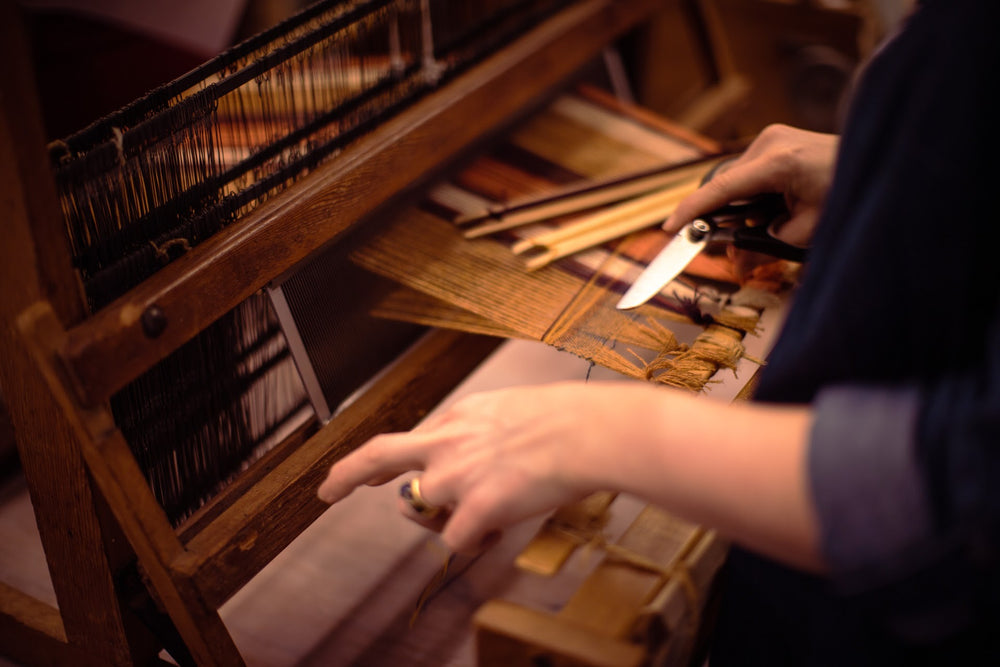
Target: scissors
(748,225)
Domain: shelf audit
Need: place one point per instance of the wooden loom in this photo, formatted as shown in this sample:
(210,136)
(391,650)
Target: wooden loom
(642,602)
(130,582)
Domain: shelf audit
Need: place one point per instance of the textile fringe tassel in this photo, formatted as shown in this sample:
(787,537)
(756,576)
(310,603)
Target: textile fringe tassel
(739,317)
(716,347)
(589,323)
(669,348)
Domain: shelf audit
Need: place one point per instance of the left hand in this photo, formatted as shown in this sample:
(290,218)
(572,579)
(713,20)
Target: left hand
(494,459)
(498,458)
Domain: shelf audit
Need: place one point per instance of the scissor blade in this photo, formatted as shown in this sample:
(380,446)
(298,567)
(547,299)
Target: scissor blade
(666,266)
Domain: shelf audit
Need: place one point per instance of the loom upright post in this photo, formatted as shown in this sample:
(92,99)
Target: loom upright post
(89,625)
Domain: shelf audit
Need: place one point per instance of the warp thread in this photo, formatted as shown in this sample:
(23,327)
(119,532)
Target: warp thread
(439,582)
(118,139)
(163,250)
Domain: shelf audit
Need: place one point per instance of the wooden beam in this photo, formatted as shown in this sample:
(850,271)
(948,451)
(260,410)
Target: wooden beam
(34,265)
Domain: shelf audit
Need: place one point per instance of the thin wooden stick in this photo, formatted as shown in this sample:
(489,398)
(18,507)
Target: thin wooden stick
(591,239)
(587,240)
(587,194)
(602,227)
(658,204)
(576,204)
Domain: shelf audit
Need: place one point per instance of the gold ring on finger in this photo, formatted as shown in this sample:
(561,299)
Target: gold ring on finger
(410,491)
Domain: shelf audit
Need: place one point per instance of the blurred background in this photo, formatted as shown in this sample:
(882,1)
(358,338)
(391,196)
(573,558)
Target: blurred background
(723,67)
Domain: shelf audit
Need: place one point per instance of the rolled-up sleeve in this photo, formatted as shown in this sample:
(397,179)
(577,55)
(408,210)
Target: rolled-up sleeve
(867,486)
(903,485)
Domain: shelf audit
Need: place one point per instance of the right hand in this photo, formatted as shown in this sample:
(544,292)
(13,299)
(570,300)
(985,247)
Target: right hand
(796,163)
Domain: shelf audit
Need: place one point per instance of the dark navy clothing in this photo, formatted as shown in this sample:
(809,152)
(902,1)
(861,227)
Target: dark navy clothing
(894,337)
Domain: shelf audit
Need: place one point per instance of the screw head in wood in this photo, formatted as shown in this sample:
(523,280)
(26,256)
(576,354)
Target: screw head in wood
(154,321)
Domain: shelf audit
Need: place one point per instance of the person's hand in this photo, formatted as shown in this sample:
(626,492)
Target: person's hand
(497,458)
(796,163)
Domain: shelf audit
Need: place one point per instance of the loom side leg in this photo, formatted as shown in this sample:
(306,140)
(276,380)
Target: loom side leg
(122,485)
(89,626)
(66,511)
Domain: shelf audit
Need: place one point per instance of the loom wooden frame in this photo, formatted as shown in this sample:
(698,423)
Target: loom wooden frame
(95,513)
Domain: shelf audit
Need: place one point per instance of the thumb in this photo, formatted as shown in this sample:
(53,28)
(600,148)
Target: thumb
(798,228)
(740,179)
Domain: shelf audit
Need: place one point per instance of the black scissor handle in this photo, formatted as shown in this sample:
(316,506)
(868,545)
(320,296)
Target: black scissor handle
(760,239)
(766,210)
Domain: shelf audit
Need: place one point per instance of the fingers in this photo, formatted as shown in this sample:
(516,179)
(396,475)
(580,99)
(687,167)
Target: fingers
(474,521)
(436,523)
(798,229)
(379,480)
(745,178)
(467,520)
(487,462)
(414,505)
(796,163)
(389,455)
(485,510)
(381,459)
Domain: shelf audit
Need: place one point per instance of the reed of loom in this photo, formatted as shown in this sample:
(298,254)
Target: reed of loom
(131,578)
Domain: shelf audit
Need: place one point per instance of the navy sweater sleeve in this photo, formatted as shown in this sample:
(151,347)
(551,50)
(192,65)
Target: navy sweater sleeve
(895,332)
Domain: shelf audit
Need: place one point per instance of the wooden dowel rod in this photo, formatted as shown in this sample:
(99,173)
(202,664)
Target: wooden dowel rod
(665,172)
(657,205)
(593,238)
(577,204)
